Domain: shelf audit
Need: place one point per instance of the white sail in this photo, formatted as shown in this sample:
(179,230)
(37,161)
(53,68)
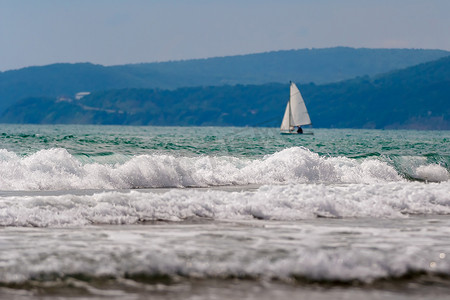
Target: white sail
(299,112)
(296,113)
(285,126)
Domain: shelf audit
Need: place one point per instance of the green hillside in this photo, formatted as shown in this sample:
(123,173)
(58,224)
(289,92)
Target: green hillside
(417,97)
(302,66)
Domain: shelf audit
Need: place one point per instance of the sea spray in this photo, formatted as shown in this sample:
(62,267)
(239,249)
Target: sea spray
(272,202)
(56,169)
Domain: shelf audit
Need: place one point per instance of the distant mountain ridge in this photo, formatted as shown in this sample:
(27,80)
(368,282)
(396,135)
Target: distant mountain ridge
(302,66)
(417,97)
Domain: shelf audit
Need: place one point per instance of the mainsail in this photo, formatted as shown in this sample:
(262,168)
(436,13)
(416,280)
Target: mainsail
(296,113)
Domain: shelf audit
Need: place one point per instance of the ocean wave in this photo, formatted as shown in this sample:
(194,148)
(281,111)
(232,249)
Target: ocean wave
(319,252)
(57,169)
(429,168)
(308,265)
(273,202)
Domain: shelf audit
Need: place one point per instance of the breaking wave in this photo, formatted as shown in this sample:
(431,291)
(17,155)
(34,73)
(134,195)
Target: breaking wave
(310,265)
(57,169)
(279,202)
(327,252)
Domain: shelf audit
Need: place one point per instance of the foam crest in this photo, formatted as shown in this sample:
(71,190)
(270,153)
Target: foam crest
(56,169)
(311,264)
(433,173)
(334,252)
(287,202)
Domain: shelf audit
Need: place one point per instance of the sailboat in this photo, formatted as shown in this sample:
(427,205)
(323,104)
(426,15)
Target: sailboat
(296,114)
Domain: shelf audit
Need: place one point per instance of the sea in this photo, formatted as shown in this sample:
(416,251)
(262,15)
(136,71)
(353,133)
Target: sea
(126,212)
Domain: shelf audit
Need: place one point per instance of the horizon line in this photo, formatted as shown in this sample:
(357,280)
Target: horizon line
(218,56)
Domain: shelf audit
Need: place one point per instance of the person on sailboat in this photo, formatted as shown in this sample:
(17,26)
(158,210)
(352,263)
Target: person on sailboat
(295,114)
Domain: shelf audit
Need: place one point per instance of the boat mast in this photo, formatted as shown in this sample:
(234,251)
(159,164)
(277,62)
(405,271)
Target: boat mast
(290,83)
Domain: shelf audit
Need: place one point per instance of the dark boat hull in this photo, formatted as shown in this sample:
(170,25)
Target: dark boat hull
(295,133)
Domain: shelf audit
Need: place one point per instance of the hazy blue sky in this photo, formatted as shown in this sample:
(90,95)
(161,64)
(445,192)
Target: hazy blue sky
(39,32)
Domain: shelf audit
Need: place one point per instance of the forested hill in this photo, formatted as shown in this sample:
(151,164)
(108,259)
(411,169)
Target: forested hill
(302,66)
(416,97)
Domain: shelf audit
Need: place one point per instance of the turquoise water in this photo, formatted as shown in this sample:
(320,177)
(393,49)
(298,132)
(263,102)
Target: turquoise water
(100,141)
(113,212)
(404,150)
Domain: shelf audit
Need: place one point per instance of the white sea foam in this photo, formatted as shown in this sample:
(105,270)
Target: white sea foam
(56,169)
(320,251)
(279,202)
(433,173)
